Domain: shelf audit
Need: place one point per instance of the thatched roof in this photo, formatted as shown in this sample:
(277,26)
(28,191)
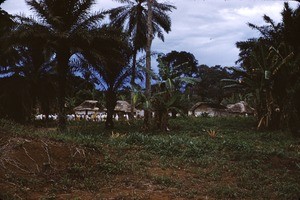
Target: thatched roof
(240,107)
(89,105)
(123,106)
(208,105)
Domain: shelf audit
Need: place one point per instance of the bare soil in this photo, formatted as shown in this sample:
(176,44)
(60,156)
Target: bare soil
(41,168)
(33,168)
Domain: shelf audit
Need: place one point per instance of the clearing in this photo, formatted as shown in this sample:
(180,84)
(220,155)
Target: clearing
(203,158)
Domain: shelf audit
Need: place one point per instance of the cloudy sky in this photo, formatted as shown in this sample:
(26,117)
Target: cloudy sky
(208,29)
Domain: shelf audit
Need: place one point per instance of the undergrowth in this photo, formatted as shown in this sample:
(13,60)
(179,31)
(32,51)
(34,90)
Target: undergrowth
(228,153)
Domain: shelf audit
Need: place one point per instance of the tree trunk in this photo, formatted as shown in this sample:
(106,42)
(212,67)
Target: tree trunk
(111,102)
(148,61)
(293,120)
(174,113)
(162,119)
(270,117)
(62,68)
(133,83)
(274,116)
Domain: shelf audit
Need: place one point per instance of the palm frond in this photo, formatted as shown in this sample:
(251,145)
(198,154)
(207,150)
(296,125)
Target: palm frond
(82,8)
(125,1)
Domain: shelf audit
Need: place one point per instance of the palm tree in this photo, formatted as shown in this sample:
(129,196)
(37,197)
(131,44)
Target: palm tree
(28,59)
(133,18)
(33,64)
(66,27)
(148,60)
(113,79)
(4,18)
(291,29)
(109,64)
(5,25)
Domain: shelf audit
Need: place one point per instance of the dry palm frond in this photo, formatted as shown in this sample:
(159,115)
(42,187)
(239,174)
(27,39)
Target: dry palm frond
(212,133)
(116,135)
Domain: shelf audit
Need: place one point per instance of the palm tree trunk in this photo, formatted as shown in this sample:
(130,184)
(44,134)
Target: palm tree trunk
(162,119)
(133,83)
(62,67)
(148,61)
(111,102)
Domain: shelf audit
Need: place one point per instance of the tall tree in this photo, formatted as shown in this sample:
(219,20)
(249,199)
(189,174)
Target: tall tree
(148,61)
(113,78)
(28,63)
(179,64)
(270,65)
(291,29)
(5,25)
(33,64)
(174,65)
(110,66)
(4,17)
(133,16)
(210,87)
(166,97)
(66,27)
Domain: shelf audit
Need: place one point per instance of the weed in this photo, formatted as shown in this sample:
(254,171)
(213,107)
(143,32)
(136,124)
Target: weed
(145,156)
(8,196)
(190,194)
(49,197)
(90,183)
(226,192)
(235,161)
(212,133)
(165,181)
(76,168)
(66,181)
(112,167)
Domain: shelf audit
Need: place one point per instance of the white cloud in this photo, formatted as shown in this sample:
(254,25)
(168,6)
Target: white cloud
(207,28)
(15,7)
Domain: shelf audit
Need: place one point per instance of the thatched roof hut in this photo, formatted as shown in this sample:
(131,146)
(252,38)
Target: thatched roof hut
(207,108)
(240,108)
(123,106)
(87,107)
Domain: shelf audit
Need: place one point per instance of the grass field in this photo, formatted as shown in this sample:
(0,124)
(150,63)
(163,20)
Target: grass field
(201,158)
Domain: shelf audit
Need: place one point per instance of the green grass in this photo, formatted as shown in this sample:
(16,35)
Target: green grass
(238,163)
(165,181)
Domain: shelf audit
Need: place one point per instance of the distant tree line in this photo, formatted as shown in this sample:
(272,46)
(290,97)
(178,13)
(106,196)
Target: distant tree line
(66,54)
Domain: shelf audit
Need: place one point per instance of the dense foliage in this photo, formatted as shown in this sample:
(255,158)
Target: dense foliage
(53,61)
(269,70)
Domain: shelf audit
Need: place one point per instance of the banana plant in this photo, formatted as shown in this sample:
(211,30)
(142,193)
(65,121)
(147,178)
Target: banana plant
(262,80)
(165,97)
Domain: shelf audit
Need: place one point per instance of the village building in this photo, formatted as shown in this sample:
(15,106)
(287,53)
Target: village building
(240,108)
(123,109)
(88,107)
(216,110)
(208,109)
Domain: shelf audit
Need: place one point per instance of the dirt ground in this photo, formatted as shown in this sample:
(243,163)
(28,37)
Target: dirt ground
(33,168)
(41,168)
